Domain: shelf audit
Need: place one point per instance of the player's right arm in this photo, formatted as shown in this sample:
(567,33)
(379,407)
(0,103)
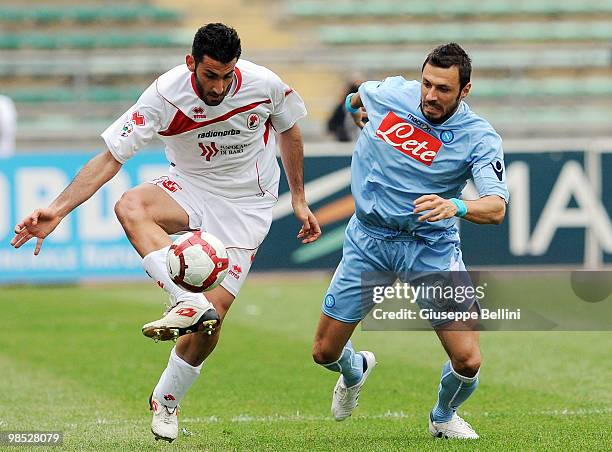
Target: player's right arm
(124,138)
(41,222)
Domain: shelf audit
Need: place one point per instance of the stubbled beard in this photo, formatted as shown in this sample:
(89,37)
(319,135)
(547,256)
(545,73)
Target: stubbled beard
(203,95)
(446,116)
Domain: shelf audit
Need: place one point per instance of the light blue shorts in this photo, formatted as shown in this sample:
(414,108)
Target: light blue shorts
(387,256)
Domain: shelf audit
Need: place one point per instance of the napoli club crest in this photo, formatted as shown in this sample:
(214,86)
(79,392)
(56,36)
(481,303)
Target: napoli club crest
(253,121)
(447,136)
(330,301)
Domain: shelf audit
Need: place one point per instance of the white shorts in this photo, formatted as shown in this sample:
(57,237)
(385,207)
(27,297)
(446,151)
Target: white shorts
(241,224)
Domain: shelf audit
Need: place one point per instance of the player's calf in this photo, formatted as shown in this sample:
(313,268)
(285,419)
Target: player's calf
(454,389)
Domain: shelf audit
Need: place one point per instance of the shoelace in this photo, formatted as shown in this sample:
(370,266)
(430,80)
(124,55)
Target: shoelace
(167,415)
(342,391)
(463,423)
(169,307)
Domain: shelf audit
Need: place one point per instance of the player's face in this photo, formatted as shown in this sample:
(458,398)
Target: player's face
(441,92)
(213,78)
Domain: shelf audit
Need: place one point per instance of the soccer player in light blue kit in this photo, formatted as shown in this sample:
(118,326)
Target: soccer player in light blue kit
(412,159)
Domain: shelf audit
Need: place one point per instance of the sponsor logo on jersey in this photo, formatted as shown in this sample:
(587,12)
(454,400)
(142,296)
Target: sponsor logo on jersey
(208,150)
(138,119)
(235,271)
(253,121)
(135,120)
(419,122)
(218,133)
(128,128)
(408,139)
(198,113)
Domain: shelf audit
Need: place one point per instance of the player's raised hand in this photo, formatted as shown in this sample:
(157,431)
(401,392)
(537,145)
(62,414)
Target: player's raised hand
(439,208)
(310,230)
(360,118)
(39,224)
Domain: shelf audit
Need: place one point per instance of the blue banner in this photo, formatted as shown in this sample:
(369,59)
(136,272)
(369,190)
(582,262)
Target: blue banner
(90,242)
(559,214)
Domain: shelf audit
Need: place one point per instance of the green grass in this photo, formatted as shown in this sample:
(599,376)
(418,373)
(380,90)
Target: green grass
(73,359)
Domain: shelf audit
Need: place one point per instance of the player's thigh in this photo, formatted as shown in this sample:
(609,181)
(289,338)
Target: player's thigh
(330,338)
(363,267)
(149,202)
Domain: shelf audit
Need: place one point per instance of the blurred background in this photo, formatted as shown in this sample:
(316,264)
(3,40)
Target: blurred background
(542,76)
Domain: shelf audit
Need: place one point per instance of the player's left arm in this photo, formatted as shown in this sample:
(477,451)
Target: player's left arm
(291,149)
(287,108)
(489,176)
(490,209)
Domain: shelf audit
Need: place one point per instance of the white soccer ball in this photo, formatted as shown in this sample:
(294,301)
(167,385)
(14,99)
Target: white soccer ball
(197,261)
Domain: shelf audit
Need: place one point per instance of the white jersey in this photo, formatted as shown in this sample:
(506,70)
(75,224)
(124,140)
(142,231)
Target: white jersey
(229,148)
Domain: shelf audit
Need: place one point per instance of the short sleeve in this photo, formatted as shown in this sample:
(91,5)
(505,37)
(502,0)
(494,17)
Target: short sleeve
(369,92)
(377,94)
(488,169)
(137,126)
(287,105)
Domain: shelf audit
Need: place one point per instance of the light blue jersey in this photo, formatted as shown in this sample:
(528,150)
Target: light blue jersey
(400,156)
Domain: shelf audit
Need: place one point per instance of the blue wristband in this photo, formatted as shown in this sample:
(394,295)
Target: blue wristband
(347,104)
(461,207)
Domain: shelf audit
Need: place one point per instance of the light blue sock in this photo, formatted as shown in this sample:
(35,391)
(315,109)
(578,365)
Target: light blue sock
(350,365)
(454,389)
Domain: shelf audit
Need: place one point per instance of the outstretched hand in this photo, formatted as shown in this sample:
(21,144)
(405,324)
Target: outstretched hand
(39,224)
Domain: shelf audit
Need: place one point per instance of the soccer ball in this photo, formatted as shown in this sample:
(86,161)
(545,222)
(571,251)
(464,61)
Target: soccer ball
(197,261)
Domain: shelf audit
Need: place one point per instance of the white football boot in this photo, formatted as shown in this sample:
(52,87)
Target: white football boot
(455,428)
(188,316)
(344,400)
(165,420)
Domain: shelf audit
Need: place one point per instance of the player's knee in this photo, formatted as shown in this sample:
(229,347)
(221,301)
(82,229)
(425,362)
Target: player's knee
(130,208)
(322,355)
(467,364)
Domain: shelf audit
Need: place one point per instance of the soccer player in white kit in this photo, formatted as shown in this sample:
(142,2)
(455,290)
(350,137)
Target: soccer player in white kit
(219,117)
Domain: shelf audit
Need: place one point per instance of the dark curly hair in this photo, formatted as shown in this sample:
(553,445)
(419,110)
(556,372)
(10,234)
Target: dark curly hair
(448,55)
(217,41)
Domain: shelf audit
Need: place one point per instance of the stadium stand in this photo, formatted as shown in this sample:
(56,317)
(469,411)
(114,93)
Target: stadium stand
(542,67)
(87,14)
(462,8)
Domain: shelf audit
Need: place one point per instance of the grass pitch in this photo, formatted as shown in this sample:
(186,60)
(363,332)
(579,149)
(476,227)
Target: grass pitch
(73,359)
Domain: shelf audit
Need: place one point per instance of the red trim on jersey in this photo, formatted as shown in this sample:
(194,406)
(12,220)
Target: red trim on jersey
(271,194)
(194,86)
(182,123)
(289,91)
(266,134)
(238,75)
(258,182)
